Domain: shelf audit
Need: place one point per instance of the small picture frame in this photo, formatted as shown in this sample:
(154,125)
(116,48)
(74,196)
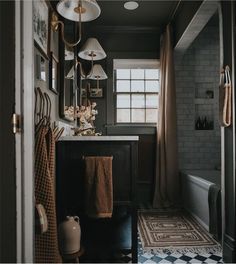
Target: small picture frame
(93,93)
(41,25)
(53,73)
(41,67)
(83,92)
(96,93)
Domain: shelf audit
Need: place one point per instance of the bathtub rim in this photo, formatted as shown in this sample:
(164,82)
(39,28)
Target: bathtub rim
(197,180)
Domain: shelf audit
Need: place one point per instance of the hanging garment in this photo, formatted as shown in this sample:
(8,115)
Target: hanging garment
(46,244)
(50,139)
(225,95)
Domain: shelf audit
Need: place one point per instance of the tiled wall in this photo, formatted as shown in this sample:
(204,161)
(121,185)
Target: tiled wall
(196,72)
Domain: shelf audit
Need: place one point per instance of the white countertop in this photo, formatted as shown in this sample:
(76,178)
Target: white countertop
(99,138)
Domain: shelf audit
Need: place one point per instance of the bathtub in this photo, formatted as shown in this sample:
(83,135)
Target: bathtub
(195,187)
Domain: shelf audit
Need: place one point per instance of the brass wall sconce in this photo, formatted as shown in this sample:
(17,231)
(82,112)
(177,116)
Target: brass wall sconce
(91,51)
(75,10)
(80,11)
(98,74)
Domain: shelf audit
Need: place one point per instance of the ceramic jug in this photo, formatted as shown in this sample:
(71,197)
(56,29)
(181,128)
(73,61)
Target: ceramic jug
(69,234)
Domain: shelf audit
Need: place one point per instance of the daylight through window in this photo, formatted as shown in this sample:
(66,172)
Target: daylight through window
(137,95)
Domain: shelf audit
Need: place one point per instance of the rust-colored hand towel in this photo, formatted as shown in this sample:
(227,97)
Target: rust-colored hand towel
(98,187)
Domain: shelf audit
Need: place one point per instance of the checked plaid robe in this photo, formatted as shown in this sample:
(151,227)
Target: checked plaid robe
(46,244)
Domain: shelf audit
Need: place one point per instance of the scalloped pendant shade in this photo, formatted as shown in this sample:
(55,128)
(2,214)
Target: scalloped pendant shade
(98,73)
(68,9)
(92,50)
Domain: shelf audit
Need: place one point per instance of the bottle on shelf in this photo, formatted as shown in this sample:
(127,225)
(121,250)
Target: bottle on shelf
(204,123)
(198,123)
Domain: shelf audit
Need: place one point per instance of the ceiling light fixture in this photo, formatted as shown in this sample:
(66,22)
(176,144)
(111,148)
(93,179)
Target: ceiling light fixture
(131,5)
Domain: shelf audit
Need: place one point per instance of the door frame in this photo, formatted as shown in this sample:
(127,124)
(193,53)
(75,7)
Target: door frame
(24,141)
(7,139)
(229,137)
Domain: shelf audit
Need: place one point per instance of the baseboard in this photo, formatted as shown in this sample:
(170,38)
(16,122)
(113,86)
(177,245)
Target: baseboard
(229,249)
(205,226)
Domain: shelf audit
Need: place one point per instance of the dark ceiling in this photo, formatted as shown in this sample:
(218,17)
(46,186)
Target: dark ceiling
(119,29)
(153,13)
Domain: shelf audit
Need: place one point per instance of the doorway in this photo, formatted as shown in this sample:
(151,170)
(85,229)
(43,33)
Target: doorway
(16,201)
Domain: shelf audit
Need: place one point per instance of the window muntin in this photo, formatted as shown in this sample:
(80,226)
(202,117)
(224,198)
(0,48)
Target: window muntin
(137,95)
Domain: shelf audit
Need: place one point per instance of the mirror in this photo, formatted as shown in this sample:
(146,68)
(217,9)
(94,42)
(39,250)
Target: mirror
(66,84)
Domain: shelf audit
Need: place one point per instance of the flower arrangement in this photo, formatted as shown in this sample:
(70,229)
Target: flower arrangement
(69,112)
(86,116)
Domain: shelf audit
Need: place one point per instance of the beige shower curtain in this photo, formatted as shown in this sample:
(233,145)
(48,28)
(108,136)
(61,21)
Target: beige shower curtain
(167,184)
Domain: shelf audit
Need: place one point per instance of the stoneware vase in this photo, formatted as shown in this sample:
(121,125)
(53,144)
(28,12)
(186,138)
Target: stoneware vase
(69,234)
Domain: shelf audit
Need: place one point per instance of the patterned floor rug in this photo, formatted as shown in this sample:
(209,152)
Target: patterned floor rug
(174,232)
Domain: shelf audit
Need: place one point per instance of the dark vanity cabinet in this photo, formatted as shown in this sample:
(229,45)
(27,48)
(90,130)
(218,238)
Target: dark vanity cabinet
(111,234)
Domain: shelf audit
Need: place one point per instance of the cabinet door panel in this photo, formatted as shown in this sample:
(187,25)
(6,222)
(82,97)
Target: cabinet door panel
(71,176)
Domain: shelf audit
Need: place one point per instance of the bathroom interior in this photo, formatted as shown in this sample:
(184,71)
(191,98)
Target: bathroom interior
(197,67)
(197,77)
(103,146)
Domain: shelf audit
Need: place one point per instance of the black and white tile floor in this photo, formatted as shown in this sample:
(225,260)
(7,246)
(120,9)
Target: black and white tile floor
(176,258)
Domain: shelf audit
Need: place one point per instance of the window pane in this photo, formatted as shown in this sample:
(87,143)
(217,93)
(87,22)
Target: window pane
(123,101)
(123,115)
(137,86)
(138,115)
(137,74)
(123,74)
(151,115)
(137,95)
(152,74)
(152,86)
(152,101)
(138,101)
(123,86)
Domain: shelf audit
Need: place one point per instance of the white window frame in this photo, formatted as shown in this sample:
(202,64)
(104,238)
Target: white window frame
(133,64)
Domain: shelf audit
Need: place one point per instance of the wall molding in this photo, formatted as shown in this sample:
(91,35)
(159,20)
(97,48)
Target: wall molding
(101,29)
(200,19)
(130,130)
(144,182)
(229,249)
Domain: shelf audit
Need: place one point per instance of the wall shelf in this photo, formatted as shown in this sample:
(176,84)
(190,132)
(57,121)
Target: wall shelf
(204,113)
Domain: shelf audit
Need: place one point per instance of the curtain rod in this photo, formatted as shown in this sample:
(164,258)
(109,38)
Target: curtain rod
(174,12)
